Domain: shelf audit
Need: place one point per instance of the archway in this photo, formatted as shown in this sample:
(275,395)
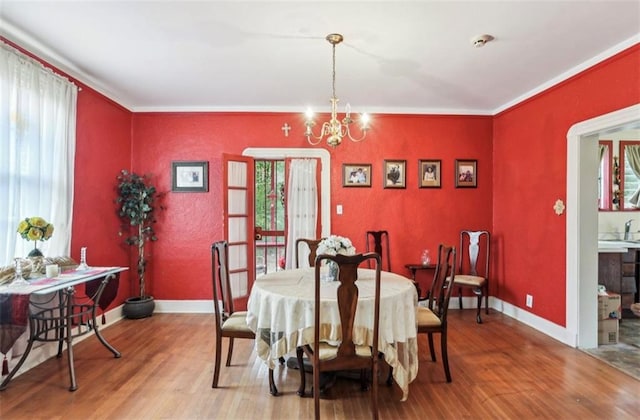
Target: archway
(582,222)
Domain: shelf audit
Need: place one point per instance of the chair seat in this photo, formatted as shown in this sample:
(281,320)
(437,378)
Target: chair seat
(237,322)
(468,280)
(426,318)
(327,351)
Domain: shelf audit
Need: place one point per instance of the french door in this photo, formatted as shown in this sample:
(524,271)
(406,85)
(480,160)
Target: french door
(238,225)
(255,219)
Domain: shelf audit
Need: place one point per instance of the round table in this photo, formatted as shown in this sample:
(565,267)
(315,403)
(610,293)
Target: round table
(280,312)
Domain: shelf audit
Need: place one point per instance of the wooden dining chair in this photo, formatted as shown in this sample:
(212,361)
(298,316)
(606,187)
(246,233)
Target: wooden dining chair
(378,241)
(433,318)
(228,323)
(473,273)
(346,355)
(312,247)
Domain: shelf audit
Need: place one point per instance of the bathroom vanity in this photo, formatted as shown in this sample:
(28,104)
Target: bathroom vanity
(618,270)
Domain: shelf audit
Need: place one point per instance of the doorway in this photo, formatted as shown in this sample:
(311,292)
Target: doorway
(269,214)
(274,154)
(582,222)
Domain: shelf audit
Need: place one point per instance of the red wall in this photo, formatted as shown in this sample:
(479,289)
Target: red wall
(415,218)
(103,148)
(529,175)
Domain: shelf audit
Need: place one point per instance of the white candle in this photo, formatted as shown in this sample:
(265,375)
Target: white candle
(52,270)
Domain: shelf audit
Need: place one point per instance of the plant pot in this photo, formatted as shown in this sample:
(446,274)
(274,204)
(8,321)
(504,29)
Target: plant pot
(138,307)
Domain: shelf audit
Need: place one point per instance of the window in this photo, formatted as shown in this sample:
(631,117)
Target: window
(37,133)
(630,174)
(604,175)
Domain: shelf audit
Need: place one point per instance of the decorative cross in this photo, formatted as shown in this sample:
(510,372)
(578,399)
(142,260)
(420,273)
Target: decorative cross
(286,129)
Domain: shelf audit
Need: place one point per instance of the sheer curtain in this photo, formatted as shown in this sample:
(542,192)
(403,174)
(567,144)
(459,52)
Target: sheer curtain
(632,154)
(37,151)
(302,205)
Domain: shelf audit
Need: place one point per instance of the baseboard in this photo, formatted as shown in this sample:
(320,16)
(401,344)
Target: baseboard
(542,325)
(184,306)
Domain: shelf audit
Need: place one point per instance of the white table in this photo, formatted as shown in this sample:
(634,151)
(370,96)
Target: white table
(280,312)
(58,320)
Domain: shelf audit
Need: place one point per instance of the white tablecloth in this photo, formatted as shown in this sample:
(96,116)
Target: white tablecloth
(280,312)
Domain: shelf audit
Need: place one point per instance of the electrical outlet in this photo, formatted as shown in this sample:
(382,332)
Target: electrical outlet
(529,301)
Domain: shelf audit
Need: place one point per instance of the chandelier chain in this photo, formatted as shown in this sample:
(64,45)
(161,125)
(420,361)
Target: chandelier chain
(334,129)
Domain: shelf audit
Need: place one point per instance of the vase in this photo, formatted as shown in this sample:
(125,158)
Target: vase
(35,252)
(333,271)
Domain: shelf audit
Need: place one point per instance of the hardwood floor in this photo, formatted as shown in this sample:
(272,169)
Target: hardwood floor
(500,369)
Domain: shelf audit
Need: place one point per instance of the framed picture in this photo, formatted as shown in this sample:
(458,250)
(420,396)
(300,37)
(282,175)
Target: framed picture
(429,171)
(466,173)
(395,173)
(356,175)
(192,176)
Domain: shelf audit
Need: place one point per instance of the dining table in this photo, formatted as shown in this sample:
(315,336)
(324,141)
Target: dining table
(280,311)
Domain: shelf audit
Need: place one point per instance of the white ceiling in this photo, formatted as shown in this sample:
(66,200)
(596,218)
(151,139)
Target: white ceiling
(397,57)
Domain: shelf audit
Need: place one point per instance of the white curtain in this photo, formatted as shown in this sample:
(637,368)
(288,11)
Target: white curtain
(632,154)
(37,152)
(302,207)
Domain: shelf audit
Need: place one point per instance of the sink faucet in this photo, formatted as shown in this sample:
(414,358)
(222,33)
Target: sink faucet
(627,229)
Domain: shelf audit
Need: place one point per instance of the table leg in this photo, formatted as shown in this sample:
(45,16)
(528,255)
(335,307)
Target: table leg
(69,292)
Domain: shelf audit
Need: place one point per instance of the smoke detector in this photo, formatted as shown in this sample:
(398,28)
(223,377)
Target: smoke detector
(479,40)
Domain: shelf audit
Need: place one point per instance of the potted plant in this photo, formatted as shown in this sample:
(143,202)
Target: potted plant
(137,202)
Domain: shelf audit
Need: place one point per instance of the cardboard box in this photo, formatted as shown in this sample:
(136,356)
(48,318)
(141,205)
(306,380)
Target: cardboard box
(607,331)
(609,306)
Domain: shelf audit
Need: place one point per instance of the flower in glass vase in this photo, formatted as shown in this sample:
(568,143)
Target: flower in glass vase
(334,245)
(35,229)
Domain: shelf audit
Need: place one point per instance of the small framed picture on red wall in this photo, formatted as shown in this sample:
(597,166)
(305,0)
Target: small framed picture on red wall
(395,173)
(429,171)
(466,173)
(356,175)
(191,176)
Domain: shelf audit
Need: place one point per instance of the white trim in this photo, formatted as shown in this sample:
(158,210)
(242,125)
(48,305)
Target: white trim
(184,307)
(544,326)
(325,173)
(52,58)
(570,73)
(581,230)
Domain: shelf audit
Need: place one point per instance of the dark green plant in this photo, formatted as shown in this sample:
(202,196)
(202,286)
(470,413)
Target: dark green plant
(136,207)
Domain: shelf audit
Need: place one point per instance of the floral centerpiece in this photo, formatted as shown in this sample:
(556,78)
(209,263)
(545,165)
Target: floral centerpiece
(35,229)
(334,245)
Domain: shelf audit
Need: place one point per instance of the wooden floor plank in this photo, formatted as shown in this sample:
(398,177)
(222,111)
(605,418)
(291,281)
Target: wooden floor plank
(501,369)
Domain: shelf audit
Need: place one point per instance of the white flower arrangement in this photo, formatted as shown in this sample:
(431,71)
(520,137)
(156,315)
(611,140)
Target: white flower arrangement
(334,245)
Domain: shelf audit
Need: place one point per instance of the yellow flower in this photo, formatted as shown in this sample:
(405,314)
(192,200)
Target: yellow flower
(48,232)
(35,229)
(23,227)
(38,222)
(34,234)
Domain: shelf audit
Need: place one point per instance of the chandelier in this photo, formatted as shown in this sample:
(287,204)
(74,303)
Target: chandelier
(335,130)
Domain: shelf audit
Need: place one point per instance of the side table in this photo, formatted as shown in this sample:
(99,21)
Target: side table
(414,268)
